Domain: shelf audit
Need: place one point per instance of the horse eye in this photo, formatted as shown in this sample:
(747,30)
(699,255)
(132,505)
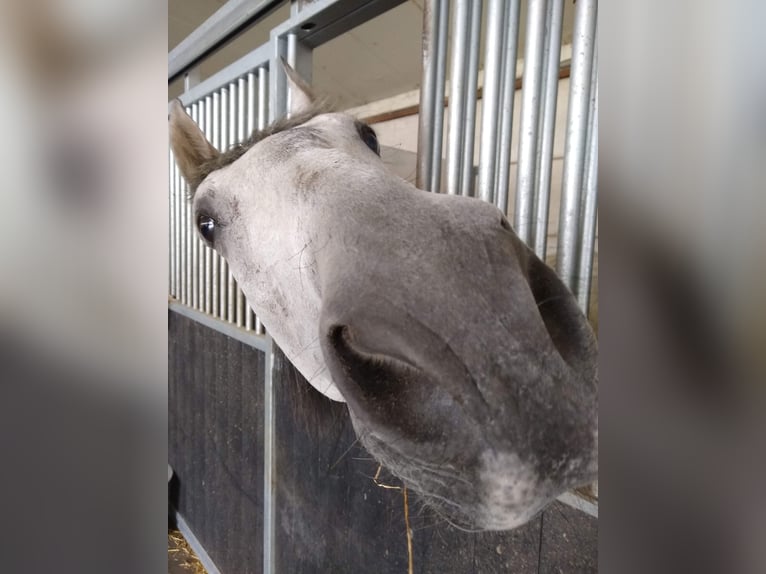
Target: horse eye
(369,138)
(206,227)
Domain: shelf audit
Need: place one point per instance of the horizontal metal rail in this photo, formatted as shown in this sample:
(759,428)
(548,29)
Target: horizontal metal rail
(230,20)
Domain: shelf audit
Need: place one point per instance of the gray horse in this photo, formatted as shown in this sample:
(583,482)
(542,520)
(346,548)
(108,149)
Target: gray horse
(467,367)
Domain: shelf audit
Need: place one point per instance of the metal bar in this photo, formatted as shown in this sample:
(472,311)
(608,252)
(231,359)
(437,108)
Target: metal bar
(467,178)
(263,102)
(241,109)
(242,106)
(589,209)
(441,80)
(428,96)
(223,288)
(269,466)
(204,558)
(490,98)
(263,117)
(231,283)
(529,129)
(193,238)
(181,234)
(209,253)
(199,245)
(331,18)
(508,98)
(460,34)
(216,263)
(299,57)
(186,269)
(249,61)
(252,90)
(179,194)
(548,125)
(255,341)
(252,95)
(171,224)
(583,40)
(228,21)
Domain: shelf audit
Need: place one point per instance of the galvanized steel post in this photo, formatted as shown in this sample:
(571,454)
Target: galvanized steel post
(428,96)
(193,238)
(441,80)
(460,35)
(589,208)
(171,224)
(242,105)
(223,288)
(583,43)
(472,83)
(231,296)
(263,103)
(209,253)
(216,141)
(548,125)
(529,127)
(508,97)
(493,62)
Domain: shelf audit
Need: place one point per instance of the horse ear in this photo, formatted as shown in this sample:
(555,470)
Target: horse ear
(300,99)
(190,148)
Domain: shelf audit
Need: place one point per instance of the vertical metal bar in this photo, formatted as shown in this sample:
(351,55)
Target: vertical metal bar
(193,239)
(292,57)
(187,240)
(300,58)
(589,208)
(269,471)
(179,195)
(508,97)
(460,33)
(223,289)
(198,244)
(263,117)
(441,80)
(180,258)
(241,109)
(472,81)
(251,97)
(493,62)
(263,102)
(252,94)
(216,262)
(428,95)
(242,106)
(548,125)
(232,284)
(583,41)
(531,90)
(209,254)
(171,224)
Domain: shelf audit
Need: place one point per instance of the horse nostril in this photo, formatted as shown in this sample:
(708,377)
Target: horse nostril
(367,369)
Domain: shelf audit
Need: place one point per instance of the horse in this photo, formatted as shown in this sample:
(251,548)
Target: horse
(466,365)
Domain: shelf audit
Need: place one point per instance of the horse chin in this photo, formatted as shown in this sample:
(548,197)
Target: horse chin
(488,491)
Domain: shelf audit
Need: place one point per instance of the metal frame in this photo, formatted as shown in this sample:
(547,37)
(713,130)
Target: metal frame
(234,17)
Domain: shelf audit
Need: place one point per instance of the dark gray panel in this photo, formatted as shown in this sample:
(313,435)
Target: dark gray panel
(215,441)
(570,541)
(332,517)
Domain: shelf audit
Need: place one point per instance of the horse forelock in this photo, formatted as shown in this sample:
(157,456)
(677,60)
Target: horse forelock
(236,151)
